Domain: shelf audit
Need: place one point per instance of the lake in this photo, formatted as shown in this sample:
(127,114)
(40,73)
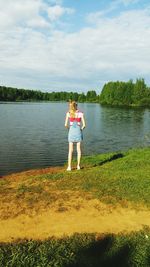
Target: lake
(32,134)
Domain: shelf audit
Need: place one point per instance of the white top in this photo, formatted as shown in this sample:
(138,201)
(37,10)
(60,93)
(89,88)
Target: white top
(78,116)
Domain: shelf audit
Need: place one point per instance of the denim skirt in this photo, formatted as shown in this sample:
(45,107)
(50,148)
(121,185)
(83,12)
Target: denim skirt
(75,133)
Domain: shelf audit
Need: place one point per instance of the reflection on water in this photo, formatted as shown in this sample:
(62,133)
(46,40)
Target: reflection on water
(122,127)
(32,135)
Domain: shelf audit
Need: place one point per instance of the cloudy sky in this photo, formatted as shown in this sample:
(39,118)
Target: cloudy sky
(73,45)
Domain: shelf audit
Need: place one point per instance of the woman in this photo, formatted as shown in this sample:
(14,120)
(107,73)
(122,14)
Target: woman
(75,135)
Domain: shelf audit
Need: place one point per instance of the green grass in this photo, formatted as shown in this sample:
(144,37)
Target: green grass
(80,250)
(118,177)
(113,178)
(33,188)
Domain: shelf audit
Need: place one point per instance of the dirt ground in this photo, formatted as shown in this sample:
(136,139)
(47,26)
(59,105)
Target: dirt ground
(91,216)
(79,214)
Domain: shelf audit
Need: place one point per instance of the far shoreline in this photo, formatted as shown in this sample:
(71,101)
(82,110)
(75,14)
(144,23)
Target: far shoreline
(133,106)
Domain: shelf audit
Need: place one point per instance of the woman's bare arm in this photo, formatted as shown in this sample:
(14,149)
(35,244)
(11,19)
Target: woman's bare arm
(66,120)
(83,122)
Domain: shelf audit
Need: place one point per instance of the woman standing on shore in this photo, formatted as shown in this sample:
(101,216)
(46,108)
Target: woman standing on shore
(75,135)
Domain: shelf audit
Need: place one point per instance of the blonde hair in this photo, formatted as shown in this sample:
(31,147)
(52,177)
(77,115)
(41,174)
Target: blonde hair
(72,108)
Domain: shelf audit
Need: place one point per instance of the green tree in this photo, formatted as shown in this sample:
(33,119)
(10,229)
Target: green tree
(91,96)
(139,90)
(125,93)
(82,98)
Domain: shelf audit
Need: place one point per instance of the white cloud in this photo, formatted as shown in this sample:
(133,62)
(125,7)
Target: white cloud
(38,22)
(57,11)
(113,48)
(18,12)
(30,13)
(93,17)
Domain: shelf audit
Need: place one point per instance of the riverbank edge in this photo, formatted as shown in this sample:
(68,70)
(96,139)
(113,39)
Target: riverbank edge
(110,155)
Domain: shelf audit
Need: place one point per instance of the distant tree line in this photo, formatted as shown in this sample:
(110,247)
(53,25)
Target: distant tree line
(113,93)
(126,93)
(14,94)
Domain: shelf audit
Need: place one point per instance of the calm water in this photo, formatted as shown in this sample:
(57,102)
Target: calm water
(32,135)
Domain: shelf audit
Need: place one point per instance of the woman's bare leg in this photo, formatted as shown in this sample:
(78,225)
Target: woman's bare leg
(78,154)
(70,154)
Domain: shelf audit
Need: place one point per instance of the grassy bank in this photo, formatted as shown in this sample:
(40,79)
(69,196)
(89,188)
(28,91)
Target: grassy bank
(80,250)
(118,179)
(115,178)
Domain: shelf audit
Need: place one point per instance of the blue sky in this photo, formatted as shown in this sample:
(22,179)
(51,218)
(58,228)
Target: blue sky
(73,45)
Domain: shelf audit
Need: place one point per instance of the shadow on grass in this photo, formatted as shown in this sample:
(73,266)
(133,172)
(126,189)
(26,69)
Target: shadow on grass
(103,253)
(79,250)
(114,157)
